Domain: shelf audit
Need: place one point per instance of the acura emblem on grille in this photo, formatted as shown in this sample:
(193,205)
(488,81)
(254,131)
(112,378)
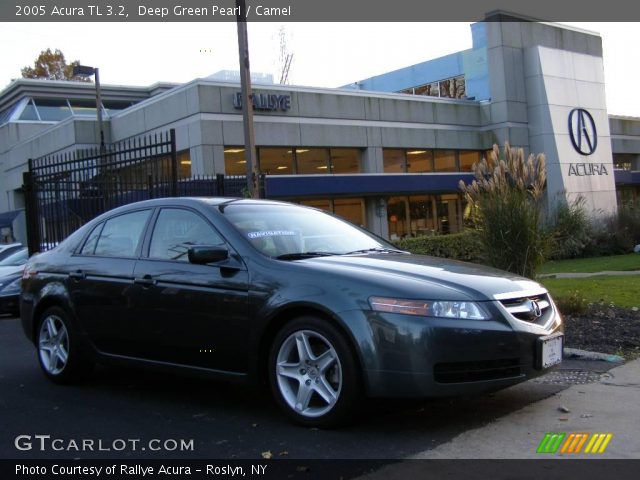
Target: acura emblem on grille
(535,309)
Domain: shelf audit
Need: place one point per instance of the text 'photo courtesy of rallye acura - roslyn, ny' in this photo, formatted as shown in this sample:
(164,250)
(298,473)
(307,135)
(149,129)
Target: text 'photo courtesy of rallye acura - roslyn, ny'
(323,312)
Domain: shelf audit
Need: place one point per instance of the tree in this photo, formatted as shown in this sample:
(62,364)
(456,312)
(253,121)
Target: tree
(52,66)
(508,204)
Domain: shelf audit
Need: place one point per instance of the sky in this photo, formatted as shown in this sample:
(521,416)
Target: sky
(324,54)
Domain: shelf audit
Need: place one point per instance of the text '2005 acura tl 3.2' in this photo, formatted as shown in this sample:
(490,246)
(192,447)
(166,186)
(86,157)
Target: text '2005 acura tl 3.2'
(322,311)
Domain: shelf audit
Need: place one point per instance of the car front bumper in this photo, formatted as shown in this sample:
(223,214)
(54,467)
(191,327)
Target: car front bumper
(406,356)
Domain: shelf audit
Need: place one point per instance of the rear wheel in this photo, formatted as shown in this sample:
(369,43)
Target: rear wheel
(313,374)
(59,352)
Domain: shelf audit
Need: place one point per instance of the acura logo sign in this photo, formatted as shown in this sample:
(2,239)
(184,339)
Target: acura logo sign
(582,130)
(535,309)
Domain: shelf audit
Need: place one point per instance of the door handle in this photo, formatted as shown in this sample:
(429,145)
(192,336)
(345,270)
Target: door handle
(77,275)
(145,281)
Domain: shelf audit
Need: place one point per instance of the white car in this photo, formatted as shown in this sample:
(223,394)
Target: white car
(7,249)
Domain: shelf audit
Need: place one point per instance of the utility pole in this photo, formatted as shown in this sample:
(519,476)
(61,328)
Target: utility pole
(253,167)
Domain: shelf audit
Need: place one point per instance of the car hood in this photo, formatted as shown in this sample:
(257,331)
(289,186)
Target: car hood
(477,282)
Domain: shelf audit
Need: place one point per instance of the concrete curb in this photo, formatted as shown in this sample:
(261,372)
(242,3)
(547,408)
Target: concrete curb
(575,353)
(606,273)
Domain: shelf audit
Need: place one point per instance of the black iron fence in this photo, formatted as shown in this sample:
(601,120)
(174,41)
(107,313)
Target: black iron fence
(64,191)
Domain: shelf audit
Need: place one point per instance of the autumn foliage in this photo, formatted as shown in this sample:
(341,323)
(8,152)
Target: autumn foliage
(52,66)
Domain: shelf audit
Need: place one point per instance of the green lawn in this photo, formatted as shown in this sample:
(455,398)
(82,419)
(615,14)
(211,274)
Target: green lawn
(622,291)
(630,261)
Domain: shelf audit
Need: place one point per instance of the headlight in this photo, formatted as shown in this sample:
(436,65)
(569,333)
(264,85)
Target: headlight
(423,308)
(11,287)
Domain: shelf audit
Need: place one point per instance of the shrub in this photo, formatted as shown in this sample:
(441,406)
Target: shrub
(616,234)
(628,225)
(465,246)
(572,304)
(572,231)
(507,199)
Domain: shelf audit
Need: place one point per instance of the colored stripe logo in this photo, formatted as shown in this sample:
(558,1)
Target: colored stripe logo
(572,443)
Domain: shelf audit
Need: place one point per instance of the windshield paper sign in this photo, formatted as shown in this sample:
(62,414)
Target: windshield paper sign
(271,233)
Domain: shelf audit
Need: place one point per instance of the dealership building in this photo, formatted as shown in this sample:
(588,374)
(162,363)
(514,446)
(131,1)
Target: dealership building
(385,152)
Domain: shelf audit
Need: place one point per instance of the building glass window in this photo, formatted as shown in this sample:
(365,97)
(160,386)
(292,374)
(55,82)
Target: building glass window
(445,161)
(345,160)
(29,112)
(84,108)
(234,162)
(275,161)
(350,209)
(322,204)
(393,160)
(622,161)
(467,159)
(184,164)
(421,215)
(429,90)
(419,161)
(397,210)
(311,161)
(110,106)
(295,160)
(53,109)
(453,87)
(448,211)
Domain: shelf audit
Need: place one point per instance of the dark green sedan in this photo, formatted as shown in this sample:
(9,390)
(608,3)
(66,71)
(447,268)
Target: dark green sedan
(322,311)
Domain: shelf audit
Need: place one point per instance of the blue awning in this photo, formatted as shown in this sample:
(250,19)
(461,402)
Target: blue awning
(289,186)
(7,218)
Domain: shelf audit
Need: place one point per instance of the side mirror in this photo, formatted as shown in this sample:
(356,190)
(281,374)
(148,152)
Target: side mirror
(203,254)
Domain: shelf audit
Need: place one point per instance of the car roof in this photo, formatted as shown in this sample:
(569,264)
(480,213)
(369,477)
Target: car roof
(189,201)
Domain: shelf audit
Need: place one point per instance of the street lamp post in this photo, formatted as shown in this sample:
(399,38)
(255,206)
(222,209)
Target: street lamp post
(253,168)
(85,71)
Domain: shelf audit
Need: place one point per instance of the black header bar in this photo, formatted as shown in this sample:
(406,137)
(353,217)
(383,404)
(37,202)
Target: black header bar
(314,10)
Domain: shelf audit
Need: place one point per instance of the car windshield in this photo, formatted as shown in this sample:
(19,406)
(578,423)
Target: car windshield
(15,259)
(288,231)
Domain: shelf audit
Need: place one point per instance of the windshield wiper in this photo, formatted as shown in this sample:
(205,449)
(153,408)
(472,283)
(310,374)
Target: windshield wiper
(300,255)
(376,249)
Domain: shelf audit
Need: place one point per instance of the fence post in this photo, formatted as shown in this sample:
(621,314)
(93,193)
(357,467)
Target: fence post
(261,186)
(220,185)
(31,211)
(174,164)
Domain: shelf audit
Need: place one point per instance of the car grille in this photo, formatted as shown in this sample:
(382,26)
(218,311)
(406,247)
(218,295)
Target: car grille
(523,308)
(460,372)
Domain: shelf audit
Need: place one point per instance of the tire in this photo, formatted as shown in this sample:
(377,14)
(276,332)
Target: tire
(313,374)
(58,348)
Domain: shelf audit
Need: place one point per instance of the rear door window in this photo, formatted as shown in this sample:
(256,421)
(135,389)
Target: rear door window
(121,235)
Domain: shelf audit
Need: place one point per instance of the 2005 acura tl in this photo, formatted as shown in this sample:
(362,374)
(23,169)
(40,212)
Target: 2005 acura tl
(322,310)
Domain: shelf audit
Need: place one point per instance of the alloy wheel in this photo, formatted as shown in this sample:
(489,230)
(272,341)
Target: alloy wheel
(53,345)
(309,373)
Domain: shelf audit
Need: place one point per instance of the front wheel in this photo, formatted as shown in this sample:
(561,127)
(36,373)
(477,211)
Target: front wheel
(313,373)
(59,352)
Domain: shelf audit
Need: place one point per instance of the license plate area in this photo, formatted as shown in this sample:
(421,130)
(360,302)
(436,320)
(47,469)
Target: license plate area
(549,350)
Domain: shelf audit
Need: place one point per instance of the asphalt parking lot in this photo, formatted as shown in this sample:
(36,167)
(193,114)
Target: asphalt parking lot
(225,421)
